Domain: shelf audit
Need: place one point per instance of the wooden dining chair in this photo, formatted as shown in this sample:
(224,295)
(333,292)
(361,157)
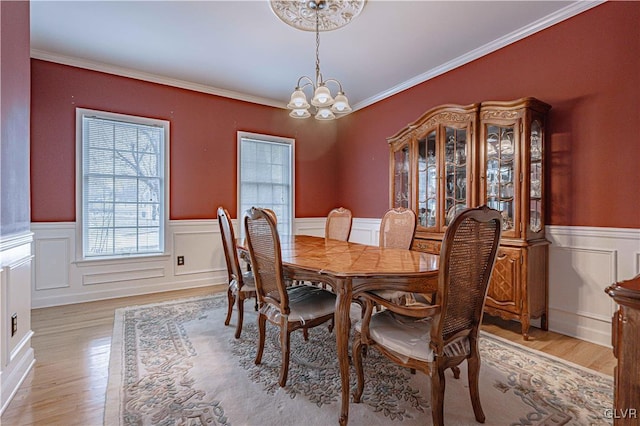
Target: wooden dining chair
(241,284)
(289,307)
(338,226)
(397,228)
(433,338)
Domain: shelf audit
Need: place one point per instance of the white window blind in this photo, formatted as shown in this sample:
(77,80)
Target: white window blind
(123,185)
(266,177)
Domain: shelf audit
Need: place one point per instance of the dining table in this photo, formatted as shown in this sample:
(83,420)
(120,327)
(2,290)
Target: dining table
(349,269)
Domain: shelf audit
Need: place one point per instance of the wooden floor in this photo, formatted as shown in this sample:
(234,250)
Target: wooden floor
(72,343)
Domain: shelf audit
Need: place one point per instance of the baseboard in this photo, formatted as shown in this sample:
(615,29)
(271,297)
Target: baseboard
(12,380)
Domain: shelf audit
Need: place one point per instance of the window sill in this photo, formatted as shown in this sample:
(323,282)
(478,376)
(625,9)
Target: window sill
(119,260)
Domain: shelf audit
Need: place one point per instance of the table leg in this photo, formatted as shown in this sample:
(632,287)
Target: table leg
(343,327)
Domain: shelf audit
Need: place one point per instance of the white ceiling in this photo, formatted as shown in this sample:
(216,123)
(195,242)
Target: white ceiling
(242,50)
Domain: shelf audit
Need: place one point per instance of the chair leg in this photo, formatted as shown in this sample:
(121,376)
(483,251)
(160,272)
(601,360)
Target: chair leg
(437,395)
(231,298)
(284,345)
(473,365)
(305,333)
(358,351)
(262,322)
(240,316)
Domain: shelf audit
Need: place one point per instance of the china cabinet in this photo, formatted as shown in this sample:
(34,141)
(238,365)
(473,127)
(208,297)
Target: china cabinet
(626,348)
(491,153)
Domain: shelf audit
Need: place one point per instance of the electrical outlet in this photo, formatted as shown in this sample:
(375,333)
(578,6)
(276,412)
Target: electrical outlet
(180,260)
(14,324)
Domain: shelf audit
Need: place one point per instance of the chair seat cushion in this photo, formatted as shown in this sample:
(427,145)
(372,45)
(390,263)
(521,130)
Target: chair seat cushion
(410,337)
(403,335)
(248,283)
(308,302)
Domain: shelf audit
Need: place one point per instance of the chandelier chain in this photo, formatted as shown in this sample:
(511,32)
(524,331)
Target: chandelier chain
(317,48)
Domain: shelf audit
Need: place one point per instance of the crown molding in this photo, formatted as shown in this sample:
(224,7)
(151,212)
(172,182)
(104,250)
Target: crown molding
(539,25)
(153,78)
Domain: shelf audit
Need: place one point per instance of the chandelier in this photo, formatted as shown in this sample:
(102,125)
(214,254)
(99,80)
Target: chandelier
(323,15)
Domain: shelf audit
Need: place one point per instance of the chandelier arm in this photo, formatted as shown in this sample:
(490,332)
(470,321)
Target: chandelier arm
(309,82)
(335,81)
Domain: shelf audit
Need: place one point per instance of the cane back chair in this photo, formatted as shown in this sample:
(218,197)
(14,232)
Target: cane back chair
(338,226)
(289,307)
(397,228)
(433,338)
(241,284)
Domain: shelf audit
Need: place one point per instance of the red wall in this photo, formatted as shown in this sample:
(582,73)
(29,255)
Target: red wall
(203,142)
(586,67)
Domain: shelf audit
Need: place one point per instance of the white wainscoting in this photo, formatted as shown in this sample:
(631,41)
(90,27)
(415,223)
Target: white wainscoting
(16,353)
(583,261)
(59,279)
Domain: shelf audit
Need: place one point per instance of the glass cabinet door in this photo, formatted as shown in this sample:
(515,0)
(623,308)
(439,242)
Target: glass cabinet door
(401,177)
(535,181)
(501,173)
(427,181)
(432,164)
(456,173)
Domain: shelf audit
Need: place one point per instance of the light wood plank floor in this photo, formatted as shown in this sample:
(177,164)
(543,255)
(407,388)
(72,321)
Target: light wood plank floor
(72,344)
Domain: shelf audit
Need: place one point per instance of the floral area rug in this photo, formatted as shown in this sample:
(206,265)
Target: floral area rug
(176,363)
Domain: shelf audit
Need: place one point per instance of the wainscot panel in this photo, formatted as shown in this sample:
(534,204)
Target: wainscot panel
(582,262)
(76,281)
(16,354)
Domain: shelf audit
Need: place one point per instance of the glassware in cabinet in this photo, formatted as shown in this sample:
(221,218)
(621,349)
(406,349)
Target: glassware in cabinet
(401,180)
(499,187)
(535,177)
(512,164)
(427,181)
(456,172)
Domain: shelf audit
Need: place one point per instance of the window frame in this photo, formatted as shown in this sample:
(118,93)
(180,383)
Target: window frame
(268,139)
(79,203)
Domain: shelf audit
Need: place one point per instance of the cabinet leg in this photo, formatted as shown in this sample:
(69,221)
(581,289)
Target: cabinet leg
(525,327)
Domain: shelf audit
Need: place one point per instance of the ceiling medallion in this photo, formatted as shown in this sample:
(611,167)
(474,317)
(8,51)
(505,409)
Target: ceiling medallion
(301,14)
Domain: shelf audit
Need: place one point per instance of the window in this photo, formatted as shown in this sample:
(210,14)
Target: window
(122,183)
(265,176)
